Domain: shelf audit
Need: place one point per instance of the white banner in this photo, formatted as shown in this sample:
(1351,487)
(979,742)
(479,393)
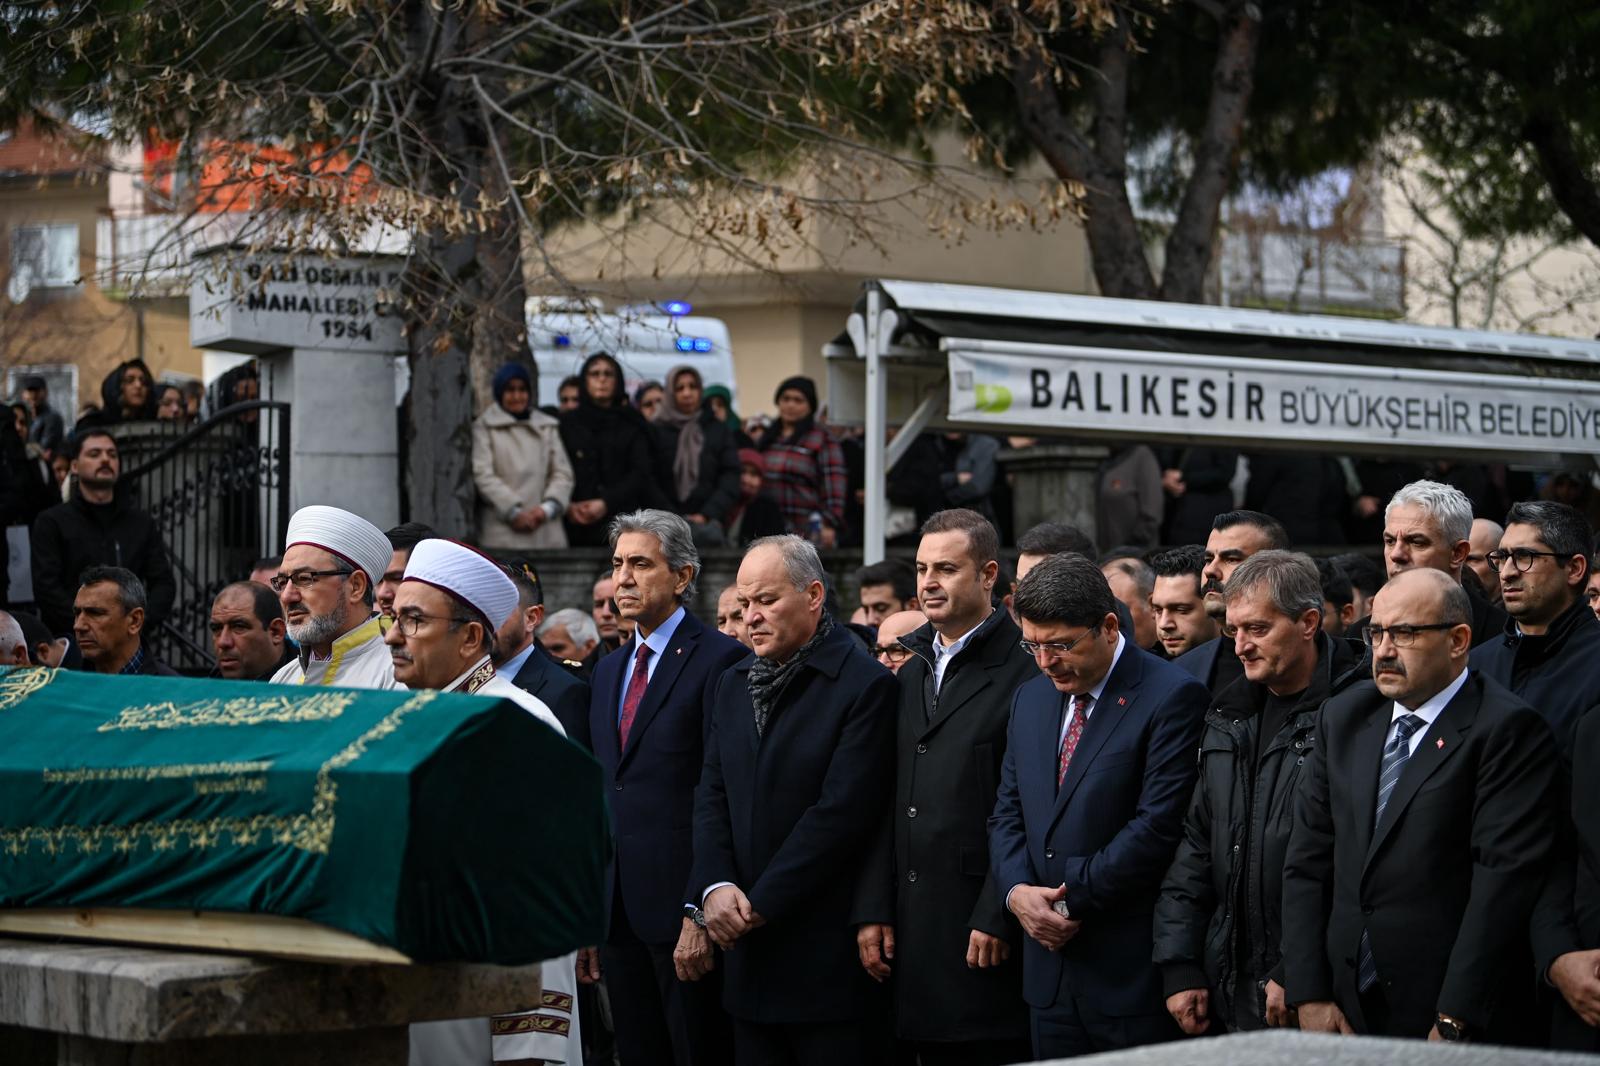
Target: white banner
(1068,388)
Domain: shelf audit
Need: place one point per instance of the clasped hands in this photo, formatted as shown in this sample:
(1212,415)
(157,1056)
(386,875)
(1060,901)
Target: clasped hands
(730,916)
(1035,908)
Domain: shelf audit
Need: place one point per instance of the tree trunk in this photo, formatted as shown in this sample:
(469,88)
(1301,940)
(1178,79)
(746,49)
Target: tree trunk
(1572,184)
(1192,242)
(1116,249)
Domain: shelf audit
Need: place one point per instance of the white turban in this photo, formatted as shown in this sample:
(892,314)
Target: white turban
(468,575)
(349,536)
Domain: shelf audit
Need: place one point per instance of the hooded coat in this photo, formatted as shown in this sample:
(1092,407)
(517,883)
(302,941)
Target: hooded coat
(517,464)
(610,452)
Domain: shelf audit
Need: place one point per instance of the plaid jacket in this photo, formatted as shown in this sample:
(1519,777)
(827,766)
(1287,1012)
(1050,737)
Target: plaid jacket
(807,475)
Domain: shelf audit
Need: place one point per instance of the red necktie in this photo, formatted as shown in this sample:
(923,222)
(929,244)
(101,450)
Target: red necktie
(634,696)
(1069,743)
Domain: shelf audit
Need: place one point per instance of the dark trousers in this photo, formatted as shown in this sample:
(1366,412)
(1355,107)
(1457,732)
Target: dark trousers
(799,1044)
(660,1020)
(1071,1027)
(972,1053)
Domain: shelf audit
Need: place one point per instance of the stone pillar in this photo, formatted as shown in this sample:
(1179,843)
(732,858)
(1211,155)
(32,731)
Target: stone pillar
(1054,482)
(99,1005)
(343,430)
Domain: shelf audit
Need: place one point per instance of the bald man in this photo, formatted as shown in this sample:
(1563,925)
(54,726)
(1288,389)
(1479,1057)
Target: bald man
(1485,538)
(1424,819)
(889,651)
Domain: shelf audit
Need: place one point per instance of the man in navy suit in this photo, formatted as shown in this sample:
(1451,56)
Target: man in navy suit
(1099,765)
(517,655)
(647,719)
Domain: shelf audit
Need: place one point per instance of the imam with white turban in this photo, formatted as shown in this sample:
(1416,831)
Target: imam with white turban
(549,1032)
(359,658)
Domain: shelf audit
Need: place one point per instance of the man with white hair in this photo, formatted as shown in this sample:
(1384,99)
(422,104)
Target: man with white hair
(326,582)
(447,608)
(570,635)
(1428,525)
(13,645)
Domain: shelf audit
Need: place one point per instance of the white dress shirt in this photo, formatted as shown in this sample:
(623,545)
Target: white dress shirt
(943,653)
(657,643)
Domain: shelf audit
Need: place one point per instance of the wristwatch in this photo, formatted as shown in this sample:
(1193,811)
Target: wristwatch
(696,915)
(1452,1030)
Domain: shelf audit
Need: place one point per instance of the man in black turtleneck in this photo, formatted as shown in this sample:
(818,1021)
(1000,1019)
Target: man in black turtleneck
(98,526)
(1549,653)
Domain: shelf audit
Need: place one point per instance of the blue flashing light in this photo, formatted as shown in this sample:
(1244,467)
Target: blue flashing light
(701,344)
(563,341)
(685,344)
(677,308)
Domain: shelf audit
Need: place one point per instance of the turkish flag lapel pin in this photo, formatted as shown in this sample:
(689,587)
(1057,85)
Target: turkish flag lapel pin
(1439,743)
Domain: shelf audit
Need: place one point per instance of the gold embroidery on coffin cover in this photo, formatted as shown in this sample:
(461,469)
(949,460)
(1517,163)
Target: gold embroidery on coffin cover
(312,832)
(241,710)
(20,683)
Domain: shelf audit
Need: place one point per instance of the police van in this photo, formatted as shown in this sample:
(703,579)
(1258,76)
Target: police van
(648,340)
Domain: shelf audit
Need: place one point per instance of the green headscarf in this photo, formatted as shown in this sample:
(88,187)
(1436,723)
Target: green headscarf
(732,421)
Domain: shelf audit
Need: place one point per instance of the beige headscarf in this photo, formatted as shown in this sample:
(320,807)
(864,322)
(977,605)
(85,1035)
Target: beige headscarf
(691,434)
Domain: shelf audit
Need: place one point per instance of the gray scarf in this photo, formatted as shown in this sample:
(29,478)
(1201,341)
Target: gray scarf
(768,679)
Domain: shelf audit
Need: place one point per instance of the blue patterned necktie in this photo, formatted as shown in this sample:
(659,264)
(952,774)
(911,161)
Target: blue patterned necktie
(1395,754)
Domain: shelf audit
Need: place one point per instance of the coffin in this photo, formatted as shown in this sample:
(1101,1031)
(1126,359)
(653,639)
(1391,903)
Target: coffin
(435,827)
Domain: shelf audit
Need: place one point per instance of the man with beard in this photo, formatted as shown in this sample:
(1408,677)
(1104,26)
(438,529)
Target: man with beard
(247,632)
(1235,536)
(99,526)
(1549,651)
(325,583)
(1338,599)
(797,775)
(450,602)
(1423,824)
(1177,603)
(1216,933)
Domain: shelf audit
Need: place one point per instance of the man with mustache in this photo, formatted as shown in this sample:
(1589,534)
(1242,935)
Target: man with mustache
(450,602)
(1422,826)
(1217,933)
(1235,536)
(98,526)
(326,583)
(1098,768)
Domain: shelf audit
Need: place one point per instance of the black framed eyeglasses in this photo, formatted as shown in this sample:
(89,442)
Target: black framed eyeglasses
(1403,635)
(1034,648)
(304,579)
(411,621)
(895,653)
(1521,558)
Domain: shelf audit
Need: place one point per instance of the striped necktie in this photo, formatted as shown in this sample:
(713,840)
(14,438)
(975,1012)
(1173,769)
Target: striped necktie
(1395,754)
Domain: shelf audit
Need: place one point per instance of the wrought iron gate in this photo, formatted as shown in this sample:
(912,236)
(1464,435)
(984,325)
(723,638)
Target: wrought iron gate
(219,493)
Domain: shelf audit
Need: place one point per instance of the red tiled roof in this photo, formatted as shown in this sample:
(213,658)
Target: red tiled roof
(28,151)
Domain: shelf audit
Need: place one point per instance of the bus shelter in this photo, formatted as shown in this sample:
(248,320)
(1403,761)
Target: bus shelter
(934,356)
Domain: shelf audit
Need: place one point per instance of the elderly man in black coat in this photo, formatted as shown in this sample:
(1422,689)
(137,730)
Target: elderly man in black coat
(798,768)
(928,906)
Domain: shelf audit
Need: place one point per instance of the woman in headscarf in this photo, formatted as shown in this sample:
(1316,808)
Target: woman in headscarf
(805,469)
(697,458)
(719,401)
(520,468)
(609,446)
(647,399)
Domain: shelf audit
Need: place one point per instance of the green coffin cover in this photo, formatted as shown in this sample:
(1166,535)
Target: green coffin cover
(449,827)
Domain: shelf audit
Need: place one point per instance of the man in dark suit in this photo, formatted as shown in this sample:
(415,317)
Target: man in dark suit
(953,948)
(1566,920)
(1235,536)
(1099,765)
(518,656)
(647,721)
(1424,820)
(798,773)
